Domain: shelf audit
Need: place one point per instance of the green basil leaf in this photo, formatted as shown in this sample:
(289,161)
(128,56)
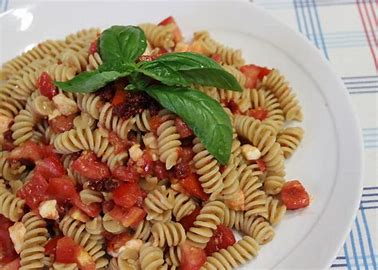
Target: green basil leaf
(205,116)
(117,65)
(125,43)
(189,68)
(88,82)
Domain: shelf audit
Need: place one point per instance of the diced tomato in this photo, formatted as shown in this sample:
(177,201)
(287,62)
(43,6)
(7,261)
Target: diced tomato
(66,249)
(233,106)
(93,47)
(119,97)
(182,170)
(126,173)
(128,217)
(49,167)
(177,32)
(253,73)
(34,191)
(62,123)
(8,142)
(192,258)
(88,166)
(193,187)
(261,164)
(62,189)
(50,247)
(217,58)
(29,151)
(13,265)
(7,252)
(294,195)
(126,195)
(186,153)
(107,206)
(258,113)
(145,165)
(188,220)
(92,210)
(46,86)
(117,242)
(183,129)
(222,238)
(155,123)
(160,170)
(117,142)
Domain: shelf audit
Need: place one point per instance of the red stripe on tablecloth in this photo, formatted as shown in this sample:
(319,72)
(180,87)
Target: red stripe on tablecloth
(372,50)
(367,13)
(373,10)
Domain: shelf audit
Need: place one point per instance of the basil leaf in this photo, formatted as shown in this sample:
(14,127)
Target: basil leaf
(117,65)
(125,43)
(88,82)
(204,115)
(187,68)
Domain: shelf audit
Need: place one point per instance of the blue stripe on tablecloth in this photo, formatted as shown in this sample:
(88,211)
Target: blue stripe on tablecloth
(370,136)
(370,244)
(288,4)
(320,29)
(361,244)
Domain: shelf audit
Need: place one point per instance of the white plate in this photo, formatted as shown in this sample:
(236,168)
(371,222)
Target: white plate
(329,161)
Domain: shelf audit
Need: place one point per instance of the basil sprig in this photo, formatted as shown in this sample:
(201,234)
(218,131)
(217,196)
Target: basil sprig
(166,79)
(203,114)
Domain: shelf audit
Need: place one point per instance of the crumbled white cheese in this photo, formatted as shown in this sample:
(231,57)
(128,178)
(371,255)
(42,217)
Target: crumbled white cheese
(17,234)
(65,105)
(47,209)
(135,152)
(250,152)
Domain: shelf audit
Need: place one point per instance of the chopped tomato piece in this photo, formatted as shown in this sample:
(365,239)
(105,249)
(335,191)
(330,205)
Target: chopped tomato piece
(186,153)
(117,142)
(193,187)
(93,47)
(66,249)
(50,247)
(107,206)
(119,97)
(222,238)
(183,129)
(128,217)
(62,189)
(126,195)
(177,32)
(13,265)
(62,123)
(88,166)
(261,164)
(182,170)
(7,252)
(217,58)
(49,167)
(192,258)
(28,151)
(160,170)
(258,113)
(155,123)
(233,106)
(46,86)
(92,210)
(253,73)
(126,173)
(145,165)
(117,242)
(188,220)
(294,195)
(34,191)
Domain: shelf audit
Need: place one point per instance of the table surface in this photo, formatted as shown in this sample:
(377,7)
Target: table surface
(346,32)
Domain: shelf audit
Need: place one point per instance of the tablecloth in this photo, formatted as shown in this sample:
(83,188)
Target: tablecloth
(346,32)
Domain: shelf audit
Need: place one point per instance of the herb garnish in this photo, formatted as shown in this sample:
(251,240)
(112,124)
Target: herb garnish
(167,79)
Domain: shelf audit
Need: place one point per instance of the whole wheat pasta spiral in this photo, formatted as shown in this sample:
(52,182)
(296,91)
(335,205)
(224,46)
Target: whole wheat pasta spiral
(46,48)
(170,234)
(231,183)
(65,266)
(10,206)
(23,127)
(158,203)
(277,84)
(87,34)
(273,184)
(143,231)
(112,122)
(61,72)
(32,249)
(275,160)
(206,222)
(183,206)
(168,141)
(90,196)
(91,104)
(142,121)
(151,258)
(159,35)
(235,255)
(113,226)
(76,60)
(208,168)
(208,90)
(9,171)
(207,44)
(289,139)
(230,56)
(94,61)
(276,210)
(173,256)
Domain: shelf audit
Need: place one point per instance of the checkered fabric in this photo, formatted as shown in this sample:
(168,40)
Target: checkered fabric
(346,33)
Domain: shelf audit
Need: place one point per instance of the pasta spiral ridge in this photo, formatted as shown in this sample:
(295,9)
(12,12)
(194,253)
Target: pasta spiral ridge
(87,34)
(8,171)
(91,104)
(10,206)
(276,210)
(151,258)
(183,206)
(206,222)
(94,61)
(76,60)
(158,203)
(207,167)
(32,249)
(61,72)
(235,255)
(23,127)
(142,121)
(289,139)
(168,234)
(159,35)
(143,231)
(273,184)
(65,266)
